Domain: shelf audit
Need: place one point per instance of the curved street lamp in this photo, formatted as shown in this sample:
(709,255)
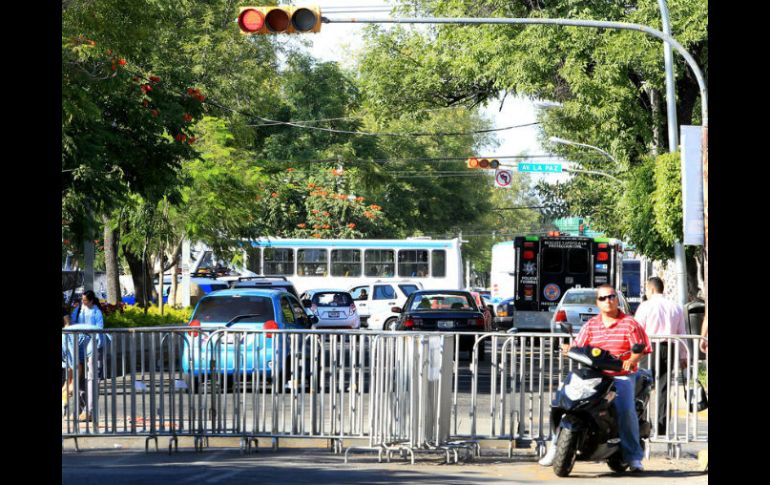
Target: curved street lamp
(562,141)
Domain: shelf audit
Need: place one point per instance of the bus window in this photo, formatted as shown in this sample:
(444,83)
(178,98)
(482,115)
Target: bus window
(279,261)
(254,260)
(380,262)
(577,260)
(413,263)
(552,260)
(439,263)
(346,262)
(312,262)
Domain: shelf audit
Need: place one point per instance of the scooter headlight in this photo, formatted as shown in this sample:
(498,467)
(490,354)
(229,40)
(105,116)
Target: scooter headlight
(578,388)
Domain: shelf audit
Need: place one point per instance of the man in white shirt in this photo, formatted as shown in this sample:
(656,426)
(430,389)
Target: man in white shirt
(660,316)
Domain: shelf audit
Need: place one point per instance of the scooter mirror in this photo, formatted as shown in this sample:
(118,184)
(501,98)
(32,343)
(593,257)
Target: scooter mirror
(567,327)
(637,348)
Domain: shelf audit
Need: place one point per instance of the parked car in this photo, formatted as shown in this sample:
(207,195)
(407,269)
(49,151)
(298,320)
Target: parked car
(381,296)
(334,308)
(578,305)
(277,282)
(241,309)
(503,315)
(443,310)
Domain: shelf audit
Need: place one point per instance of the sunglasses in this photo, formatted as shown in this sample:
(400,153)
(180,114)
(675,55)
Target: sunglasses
(606,297)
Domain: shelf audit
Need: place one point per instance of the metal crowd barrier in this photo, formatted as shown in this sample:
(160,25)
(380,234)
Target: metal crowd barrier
(404,392)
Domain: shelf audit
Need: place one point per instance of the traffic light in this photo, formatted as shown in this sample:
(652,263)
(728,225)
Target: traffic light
(484,163)
(279,20)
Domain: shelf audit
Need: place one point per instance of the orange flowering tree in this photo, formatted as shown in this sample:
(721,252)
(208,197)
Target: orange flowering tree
(298,204)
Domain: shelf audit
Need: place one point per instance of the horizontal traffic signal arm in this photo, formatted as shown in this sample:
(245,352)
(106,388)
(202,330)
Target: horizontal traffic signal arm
(279,20)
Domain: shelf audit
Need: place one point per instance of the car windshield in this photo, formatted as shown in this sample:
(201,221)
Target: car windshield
(442,301)
(223,308)
(332,299)
(579,298)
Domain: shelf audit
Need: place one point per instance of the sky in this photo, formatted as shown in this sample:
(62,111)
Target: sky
(337,42)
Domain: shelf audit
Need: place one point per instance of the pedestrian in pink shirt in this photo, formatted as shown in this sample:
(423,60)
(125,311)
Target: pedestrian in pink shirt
(660,316)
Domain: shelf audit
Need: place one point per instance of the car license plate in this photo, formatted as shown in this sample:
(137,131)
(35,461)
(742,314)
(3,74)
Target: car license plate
(334,314)
(585,317)
(444,324)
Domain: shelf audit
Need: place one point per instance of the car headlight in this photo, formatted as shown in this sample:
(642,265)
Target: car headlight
(578,388)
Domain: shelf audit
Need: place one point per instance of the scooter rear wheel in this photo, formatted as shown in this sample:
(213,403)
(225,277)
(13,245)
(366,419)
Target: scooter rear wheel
(566,451)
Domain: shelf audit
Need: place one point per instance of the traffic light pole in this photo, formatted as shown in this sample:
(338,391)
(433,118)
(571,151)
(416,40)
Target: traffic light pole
(596,24)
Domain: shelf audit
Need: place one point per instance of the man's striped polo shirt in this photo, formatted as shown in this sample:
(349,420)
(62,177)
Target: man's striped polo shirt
(616,339)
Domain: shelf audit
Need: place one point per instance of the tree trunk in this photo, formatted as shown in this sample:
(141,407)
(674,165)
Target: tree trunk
(160,279)
(174,286)
(139,274)
(111,241)
(136,266)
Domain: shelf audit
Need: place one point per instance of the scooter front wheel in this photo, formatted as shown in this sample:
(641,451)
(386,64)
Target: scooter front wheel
(566,451)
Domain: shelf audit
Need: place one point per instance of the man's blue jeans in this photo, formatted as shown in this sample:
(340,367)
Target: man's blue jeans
(628,421)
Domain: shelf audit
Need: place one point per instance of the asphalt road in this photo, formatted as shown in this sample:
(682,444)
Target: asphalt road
(228,465)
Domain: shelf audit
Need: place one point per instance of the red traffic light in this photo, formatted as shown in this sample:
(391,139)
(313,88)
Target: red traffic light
(279,20)
(483,163)
(251,20)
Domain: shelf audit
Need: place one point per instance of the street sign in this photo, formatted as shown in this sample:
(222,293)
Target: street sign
(540,167)
(503,179)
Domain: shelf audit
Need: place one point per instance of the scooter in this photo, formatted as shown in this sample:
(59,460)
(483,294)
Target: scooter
(583,415)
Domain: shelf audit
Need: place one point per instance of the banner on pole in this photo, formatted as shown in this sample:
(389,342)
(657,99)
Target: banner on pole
(692,185)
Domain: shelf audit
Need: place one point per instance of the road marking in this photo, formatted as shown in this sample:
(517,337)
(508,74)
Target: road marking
(223,476)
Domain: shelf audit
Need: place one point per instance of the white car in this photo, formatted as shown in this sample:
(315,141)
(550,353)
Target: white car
(578,305)
(381,296)
(384,320)
(334,308)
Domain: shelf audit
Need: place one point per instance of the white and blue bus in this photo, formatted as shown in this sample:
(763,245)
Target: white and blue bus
(345,263)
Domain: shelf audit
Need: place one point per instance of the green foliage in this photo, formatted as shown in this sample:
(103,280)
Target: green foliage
(639,222)
(667,198)
(134,316)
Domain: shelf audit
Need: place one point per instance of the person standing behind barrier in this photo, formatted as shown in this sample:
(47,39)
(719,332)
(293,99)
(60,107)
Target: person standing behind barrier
(87,316)
(65,313)
(661,316)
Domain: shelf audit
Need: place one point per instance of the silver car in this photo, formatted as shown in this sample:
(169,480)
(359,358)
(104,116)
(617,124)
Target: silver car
(578,305)
(334,308)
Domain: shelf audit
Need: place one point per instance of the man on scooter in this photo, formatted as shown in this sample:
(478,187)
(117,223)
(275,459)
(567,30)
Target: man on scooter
(614,331)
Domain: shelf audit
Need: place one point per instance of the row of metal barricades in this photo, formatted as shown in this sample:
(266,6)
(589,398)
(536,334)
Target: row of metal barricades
(388,392)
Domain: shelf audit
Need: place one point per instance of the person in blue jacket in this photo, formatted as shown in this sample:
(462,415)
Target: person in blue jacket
(86,316)
(89,311)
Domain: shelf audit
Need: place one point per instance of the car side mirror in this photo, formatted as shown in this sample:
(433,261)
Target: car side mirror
(307,303)
(637,348)
(396,309)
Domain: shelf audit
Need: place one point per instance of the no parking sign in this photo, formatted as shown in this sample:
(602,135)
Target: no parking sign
(504,178)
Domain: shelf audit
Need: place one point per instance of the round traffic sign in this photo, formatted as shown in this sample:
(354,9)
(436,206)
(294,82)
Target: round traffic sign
(503,178)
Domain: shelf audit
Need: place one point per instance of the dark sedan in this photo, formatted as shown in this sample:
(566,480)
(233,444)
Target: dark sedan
(444,311)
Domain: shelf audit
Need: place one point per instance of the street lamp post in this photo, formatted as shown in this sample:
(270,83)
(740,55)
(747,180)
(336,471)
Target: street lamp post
(673,143)
(562,141)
